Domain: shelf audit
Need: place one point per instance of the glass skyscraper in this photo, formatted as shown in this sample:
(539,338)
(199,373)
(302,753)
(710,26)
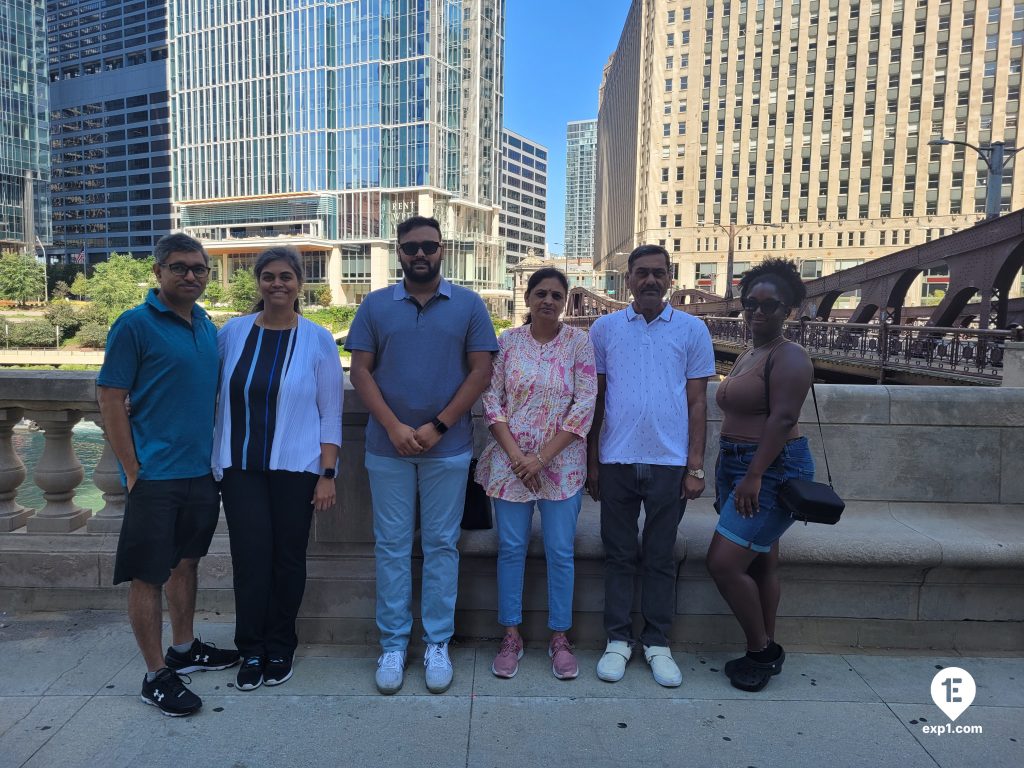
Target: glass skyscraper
(580,169)
(110,126)
(321,124)
(24,139)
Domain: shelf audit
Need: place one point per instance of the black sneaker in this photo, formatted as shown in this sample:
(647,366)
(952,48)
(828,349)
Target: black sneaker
(168,694)
(277,670)
(250,674)
(201,657)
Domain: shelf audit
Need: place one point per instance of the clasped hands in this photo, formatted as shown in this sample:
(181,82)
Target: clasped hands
(413,442)
(527,468)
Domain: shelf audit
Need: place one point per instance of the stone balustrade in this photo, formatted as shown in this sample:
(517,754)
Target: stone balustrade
(930,552)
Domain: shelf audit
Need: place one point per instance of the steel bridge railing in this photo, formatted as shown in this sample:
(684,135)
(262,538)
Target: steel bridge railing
(965,353)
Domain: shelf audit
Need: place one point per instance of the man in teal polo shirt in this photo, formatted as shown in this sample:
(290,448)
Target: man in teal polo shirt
(162,355)
(421,356)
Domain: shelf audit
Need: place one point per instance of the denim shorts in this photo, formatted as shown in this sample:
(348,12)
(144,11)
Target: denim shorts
(768,524)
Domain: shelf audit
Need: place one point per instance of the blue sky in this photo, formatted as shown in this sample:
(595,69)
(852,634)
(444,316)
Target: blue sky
(555,51)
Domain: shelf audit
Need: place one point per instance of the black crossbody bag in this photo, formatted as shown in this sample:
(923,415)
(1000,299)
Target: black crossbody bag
(807,500)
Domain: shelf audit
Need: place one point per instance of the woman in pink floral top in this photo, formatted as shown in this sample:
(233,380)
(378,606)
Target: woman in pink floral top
(539,405)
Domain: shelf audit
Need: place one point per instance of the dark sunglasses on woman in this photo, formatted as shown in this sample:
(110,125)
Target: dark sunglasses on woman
(768,306)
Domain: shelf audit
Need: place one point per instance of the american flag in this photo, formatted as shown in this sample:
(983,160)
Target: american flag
(78,258)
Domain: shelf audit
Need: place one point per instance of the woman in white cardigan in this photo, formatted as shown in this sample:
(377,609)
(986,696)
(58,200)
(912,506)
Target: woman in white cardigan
(276,442)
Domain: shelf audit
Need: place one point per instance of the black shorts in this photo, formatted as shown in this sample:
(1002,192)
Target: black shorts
(165,522)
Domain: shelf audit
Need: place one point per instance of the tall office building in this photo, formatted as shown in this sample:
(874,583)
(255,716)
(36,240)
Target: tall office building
(110,126)
(322,124)
(524,196)
(24,138)
(812,117)
(580,170)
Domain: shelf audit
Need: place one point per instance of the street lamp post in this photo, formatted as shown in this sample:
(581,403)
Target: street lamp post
(996,156)
(732,230)
(46,272)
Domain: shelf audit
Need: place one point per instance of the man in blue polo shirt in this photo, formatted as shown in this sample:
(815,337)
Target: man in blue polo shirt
(421,356)
(163,356)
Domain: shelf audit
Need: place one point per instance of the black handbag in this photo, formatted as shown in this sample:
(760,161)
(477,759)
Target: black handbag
(476,514)
(807,500)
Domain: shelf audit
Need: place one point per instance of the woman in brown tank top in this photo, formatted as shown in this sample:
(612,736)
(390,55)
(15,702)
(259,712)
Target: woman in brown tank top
(760,449)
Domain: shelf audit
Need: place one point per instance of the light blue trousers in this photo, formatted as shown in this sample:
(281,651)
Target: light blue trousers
(558,521)
(441,484)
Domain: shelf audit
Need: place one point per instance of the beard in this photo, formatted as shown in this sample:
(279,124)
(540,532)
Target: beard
(420,277)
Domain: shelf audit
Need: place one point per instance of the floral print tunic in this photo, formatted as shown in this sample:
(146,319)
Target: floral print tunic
(539,389)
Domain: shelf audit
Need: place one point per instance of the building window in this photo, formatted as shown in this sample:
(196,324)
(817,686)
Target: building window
(810,269)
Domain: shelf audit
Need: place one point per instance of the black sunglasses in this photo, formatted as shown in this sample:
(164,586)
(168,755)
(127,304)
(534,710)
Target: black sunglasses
(411,248)
(767,306)
(181,269)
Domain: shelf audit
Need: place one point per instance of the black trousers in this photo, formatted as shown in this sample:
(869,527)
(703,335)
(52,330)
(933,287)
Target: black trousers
(268,514)
(623,488)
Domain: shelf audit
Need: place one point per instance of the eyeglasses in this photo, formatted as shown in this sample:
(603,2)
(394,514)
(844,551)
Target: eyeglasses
(181,269)
(767,306)
(429,247)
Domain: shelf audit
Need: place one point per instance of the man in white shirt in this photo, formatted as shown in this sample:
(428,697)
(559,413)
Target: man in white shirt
(646,446)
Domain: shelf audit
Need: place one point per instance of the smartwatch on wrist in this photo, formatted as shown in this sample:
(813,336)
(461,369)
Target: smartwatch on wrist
(327,472)
(440,426)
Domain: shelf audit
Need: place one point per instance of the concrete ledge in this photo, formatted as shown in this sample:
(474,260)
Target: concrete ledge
(947,405)
(905,575)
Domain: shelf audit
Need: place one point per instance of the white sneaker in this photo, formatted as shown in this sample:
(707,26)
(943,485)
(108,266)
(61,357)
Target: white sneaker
(612,665)
(439,667)
(663,666)
(390,672)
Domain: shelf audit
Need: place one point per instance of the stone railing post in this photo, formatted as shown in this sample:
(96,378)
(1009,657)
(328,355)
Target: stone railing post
(12,473)
(57,474)
(1013,364)
(107,478)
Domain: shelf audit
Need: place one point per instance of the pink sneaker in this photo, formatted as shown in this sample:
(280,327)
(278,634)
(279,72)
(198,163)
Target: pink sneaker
(506,663)
(563,663)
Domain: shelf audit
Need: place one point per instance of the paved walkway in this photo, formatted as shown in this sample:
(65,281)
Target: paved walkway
(69,696)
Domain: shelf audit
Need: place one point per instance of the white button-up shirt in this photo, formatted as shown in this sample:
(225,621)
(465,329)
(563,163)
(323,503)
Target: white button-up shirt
(646,367)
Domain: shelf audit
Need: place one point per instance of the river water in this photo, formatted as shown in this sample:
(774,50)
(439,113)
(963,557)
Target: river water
(88,446)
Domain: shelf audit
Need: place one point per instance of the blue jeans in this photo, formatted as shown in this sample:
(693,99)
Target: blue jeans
(558,521)
(770,521)
(441,485)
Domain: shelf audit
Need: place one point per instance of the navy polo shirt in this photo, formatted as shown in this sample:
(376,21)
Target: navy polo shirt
(420,358)
(170,370)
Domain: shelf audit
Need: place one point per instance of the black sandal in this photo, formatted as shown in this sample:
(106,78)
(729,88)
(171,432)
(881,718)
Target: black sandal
(749,675)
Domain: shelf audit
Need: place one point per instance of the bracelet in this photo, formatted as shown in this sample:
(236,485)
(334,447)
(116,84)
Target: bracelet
(540,459)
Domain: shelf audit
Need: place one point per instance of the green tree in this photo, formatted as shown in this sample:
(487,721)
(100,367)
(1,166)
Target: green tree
(61,273)
(242,291)
(61,290)
(61,314)
(323,296)
(214,293)
(21,278)
(93,335)
(500,323)
(117,284)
